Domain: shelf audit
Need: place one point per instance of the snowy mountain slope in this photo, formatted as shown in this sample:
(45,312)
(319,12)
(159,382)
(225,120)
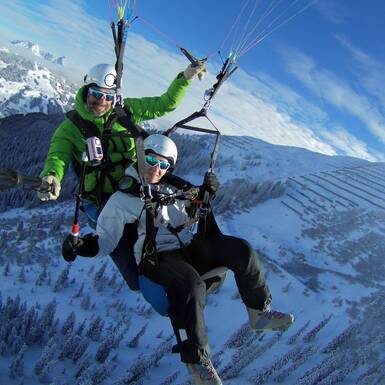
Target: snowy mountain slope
(320,233)
(36,50)
(26,86)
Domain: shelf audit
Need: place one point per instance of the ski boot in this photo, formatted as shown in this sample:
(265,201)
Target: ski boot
(203,374)
(269,320)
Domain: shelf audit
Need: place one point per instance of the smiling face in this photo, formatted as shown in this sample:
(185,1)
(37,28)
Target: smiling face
(155,173)
(98,107)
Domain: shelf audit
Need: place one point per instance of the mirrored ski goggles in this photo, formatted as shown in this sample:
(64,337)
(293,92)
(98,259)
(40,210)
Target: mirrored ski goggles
(152,161)
(99,95)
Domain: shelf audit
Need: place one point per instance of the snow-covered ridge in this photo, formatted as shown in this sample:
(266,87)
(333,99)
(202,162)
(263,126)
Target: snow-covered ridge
(27,86)
(36,50)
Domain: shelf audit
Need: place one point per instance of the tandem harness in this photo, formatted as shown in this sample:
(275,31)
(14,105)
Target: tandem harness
(104,169)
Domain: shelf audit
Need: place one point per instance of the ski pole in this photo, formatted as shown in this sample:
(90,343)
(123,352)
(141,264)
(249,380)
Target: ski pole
(76,224)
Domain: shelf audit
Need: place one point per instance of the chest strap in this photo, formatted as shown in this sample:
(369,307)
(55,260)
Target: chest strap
(89,129)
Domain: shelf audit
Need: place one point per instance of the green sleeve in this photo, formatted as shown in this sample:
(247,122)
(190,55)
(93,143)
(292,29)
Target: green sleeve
(154,107)
(61,149)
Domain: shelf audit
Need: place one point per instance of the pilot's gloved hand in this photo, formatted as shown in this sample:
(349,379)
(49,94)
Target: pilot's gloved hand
(197,69)
(86,246)
(49,188)
(210,183)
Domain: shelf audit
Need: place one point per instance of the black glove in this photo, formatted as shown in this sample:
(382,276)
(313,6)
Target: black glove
(86,246)
(210,183)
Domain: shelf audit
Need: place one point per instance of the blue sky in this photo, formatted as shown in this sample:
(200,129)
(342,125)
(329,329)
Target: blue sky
(316,82)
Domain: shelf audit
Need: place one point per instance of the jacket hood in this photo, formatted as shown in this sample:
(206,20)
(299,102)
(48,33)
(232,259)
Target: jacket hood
(82,109)
(131,171)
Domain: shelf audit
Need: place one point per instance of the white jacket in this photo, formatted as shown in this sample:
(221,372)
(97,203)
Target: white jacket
(123,208)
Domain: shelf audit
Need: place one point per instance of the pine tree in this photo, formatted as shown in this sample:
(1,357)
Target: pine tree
(240,336)
(16,345)
(54,329)
(102,372)
(104,348)
(62,280)
(142,364)
(46,357)
(69,324)
(3,239)
(3,348)
(80,350)
(69,346)
(81,328)
(95,329)
(112,281)
(16,368)
(86,302)
(313,333)
(44,375)
(21,276)
(298,333)
(20,230)
(43,325)
(135,341)
(100,279)
(79,293)
(7,269)
(42,277)
(28,325)
(48,315)
(170,379)
(83,364)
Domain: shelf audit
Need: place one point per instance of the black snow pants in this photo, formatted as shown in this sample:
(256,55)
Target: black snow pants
(179,272)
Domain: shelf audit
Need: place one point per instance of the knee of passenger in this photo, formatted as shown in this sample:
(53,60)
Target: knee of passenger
(247,254)
(245,249)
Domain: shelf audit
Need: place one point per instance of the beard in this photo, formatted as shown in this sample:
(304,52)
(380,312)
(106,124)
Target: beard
(97,109)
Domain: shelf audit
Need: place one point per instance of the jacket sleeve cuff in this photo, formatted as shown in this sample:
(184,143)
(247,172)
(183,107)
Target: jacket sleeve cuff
(181,77)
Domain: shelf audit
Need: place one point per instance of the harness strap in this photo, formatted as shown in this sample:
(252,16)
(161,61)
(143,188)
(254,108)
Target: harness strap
(86,127)
(89,129)
(125,118)
(105,161)
(175,231)
(149,252)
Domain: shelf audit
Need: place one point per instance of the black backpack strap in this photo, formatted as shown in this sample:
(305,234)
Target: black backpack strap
(125,118)
(87,128)
(106,165)
(149,259)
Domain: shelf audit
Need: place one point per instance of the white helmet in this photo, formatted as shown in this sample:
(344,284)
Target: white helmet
(161,145)
(103,75)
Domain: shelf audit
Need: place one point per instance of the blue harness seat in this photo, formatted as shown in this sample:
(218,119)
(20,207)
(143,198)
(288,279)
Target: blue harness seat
(156,295)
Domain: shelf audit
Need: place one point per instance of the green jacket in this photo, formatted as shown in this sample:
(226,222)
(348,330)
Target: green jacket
(68,143)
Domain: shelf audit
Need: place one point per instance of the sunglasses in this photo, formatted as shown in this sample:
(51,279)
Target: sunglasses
(99,95)
(152,161)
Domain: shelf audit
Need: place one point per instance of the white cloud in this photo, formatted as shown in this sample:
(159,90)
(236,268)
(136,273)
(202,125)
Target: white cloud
(333,11)
(335,91)
(246,105)
(370,71)
(347,144)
